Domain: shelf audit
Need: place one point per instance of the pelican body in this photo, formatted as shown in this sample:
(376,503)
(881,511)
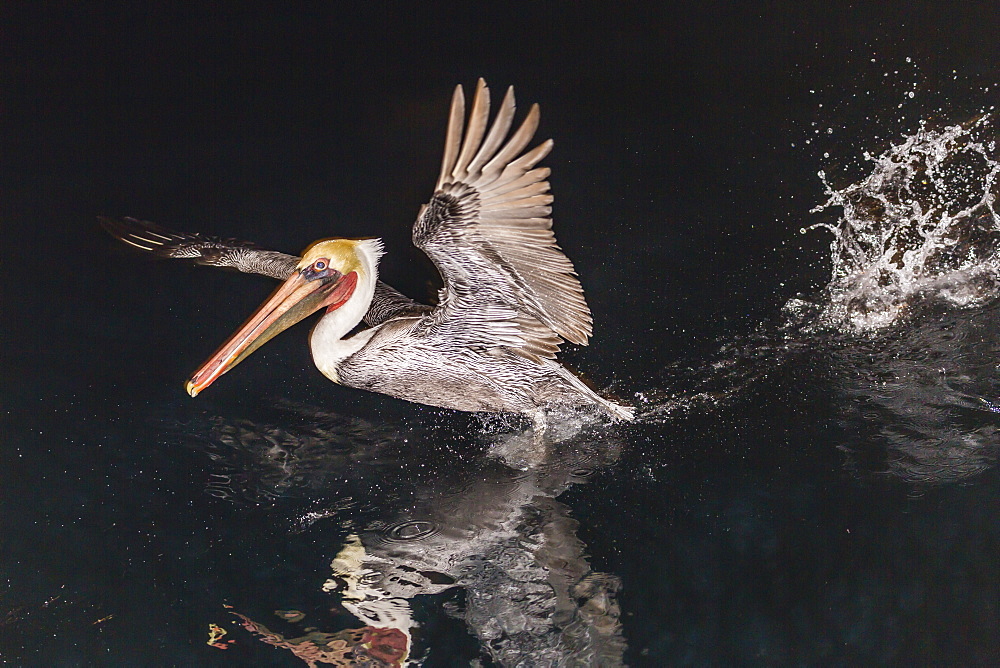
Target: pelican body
(510,296)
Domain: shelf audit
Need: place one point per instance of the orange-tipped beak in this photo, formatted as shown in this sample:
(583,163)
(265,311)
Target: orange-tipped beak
(295,299)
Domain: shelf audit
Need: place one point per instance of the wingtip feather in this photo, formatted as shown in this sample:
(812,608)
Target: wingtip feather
(453,136)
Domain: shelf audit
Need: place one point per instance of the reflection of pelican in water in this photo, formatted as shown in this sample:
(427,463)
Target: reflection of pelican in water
(530,594)
(498,535)
(371,646)
(510,296)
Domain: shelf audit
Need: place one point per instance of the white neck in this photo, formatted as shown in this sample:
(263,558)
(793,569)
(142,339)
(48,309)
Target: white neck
(329,348)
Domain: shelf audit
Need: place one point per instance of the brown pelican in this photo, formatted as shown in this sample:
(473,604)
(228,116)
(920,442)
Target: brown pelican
(510,296)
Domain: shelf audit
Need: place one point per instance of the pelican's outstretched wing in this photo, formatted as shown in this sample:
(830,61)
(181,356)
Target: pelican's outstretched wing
(201,249)
(243,256)
(488,231)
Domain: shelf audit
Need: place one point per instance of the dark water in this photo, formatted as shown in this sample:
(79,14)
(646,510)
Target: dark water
(812,480)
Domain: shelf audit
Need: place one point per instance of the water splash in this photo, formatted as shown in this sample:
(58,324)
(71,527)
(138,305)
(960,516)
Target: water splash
(902,342)
(921,226)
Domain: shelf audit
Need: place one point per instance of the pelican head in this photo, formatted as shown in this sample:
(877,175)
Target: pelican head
(328,276)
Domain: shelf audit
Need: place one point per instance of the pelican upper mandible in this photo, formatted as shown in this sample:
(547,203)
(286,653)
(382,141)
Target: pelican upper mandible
(510,295)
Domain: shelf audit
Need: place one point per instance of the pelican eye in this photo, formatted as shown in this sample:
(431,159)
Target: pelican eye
(318,269)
